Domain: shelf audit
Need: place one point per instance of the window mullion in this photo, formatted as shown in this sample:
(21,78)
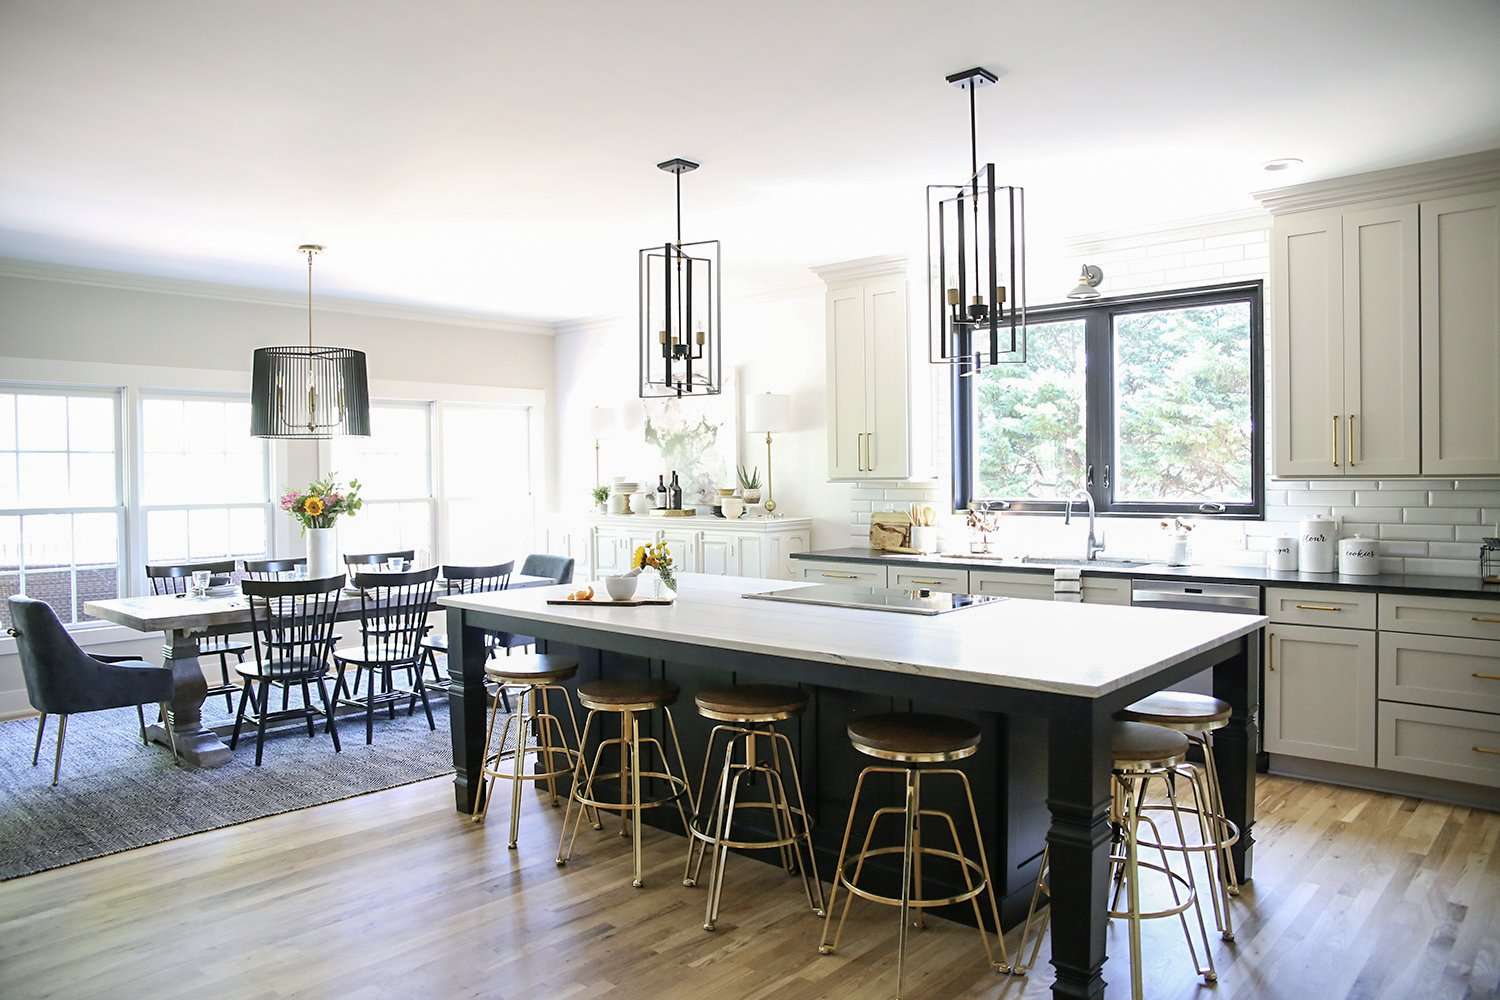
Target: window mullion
(1098,421)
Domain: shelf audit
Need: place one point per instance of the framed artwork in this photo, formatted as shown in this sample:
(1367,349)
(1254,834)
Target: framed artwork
(699,437)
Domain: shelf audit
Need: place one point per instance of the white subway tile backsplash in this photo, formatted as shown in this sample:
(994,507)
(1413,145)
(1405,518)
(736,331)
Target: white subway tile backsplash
(863,493)
(1368,515)
(1441,515)
(1390,498)
(1295,514)
(1443,567)
(1214,255)
(1417,532)
(1416,484)
(1474,532)
(1176,246)
(1454,550)
(1389,564)
(1402,548)
(1338,484)
(1464,498)
(1236,239)
(1472,485)
(1321,498)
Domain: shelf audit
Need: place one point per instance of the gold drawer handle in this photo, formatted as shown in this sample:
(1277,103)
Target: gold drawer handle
(841,576)
(1318,607)
(1486,677)
(1486,619)
(1491,750)
(930,583)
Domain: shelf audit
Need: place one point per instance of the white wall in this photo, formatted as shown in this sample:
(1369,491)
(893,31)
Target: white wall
(102,329)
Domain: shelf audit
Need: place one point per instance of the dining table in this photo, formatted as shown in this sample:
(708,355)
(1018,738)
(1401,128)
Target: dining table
(185,621)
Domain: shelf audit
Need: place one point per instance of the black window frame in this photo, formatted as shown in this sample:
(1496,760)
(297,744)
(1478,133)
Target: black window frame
(1098,316)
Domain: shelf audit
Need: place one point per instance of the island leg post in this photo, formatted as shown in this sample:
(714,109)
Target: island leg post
(195,745)
(1237,681)
(1078,768)
(467,654)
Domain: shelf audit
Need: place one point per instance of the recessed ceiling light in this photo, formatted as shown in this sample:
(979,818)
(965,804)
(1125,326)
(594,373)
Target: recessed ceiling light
(1281,163)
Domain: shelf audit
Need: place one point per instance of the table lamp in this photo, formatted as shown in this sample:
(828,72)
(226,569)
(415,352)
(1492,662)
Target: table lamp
(770,412)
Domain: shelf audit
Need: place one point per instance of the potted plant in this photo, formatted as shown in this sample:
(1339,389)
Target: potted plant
(601,496)
(658,557)
(1177,540)
(316,509)
(750,485)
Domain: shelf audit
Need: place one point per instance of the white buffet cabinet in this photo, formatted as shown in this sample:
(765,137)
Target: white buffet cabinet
(702,544)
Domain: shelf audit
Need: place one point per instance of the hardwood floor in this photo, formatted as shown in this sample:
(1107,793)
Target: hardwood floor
(393,894)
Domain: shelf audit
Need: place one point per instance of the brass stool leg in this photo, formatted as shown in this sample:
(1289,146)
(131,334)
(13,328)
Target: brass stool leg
(577,741)
(810,878)
(518,762)
(625,767)
(544,738)
(720,851)
(481,795)
(697,847)
(1023,964)
(582,787)
(984,867)
(714,823)
(826,947)
(1133,892)
(1230,877)
(635,794)
(682,815)
(909,835)
(1207,972)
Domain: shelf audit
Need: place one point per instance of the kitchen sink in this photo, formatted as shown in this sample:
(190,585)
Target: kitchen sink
(1102,562)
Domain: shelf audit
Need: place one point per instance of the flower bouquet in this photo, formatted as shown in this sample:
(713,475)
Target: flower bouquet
(320,505)
(658,557)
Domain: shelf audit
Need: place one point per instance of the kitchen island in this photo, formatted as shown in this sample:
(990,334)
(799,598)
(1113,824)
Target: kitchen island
(1043,681)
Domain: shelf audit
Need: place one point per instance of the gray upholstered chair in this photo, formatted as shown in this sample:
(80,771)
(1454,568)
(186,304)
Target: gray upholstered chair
(63,680)
(558,569)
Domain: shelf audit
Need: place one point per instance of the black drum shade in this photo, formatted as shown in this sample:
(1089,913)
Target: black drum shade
(309,392)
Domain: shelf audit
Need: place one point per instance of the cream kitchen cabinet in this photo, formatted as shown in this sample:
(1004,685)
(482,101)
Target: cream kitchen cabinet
(1320,693)
(1386,290)
(851,574)
(1347,378)
(759,548)
(1038,586)
(869,371)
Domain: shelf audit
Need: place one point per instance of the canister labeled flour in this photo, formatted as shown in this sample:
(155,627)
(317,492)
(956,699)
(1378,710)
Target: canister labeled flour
(1318,545)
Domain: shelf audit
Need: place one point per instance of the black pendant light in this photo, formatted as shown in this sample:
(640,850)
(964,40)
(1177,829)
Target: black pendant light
(309,392)
(976,258)
(680,339)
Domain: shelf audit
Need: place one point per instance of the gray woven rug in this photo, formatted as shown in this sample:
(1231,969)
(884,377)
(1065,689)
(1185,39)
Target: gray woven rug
(116,794)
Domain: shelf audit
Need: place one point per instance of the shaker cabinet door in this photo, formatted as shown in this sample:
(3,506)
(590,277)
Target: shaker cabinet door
(848,382)
(1309,419)
(1320,693)
(887,448)
(1461,335)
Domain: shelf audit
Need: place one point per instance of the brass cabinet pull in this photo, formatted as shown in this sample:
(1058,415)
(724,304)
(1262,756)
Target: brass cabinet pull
(859,448)
(840,576)
(1318,607)
(1271,651)
(1486,619)
(1353,446)
(930,583)
(1335,440)
(1493,750)
(1485,677)
(870,452)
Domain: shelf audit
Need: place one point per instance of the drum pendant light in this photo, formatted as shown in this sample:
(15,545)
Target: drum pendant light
(309,392)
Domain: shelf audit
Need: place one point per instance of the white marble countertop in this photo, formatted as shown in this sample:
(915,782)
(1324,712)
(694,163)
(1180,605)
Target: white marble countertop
(1077,649)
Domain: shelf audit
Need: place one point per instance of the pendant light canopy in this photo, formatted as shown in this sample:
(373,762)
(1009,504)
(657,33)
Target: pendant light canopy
(976,259)
(309,392)
(680,339)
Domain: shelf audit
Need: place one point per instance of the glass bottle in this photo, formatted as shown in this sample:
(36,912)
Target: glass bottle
(675,492)
(662,501)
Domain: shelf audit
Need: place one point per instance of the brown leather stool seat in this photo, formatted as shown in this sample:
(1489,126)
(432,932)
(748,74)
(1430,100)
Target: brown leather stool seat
(531,668)
(1180,710)
(1139,743)
(625,695)
(915,737)
(750,703)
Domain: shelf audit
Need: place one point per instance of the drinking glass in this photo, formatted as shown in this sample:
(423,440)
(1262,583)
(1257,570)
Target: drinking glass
(395,564)
(201,578)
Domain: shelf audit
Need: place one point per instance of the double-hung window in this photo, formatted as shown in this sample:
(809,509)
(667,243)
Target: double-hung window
(205,482)
(486,511)
(394,468)
(1152,403)
(61,516)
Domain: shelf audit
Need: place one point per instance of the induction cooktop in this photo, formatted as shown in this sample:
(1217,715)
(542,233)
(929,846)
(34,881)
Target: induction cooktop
(902,601)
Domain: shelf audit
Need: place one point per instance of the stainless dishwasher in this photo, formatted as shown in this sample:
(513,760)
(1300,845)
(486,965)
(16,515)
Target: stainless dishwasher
(1239,598)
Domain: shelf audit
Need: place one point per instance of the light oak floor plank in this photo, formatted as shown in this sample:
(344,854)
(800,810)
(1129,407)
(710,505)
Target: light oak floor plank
(1356,895)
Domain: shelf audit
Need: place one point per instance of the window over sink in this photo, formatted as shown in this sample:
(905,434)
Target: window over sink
(1152,403)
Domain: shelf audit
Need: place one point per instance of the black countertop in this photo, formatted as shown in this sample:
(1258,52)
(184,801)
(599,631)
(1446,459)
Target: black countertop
(1406,583)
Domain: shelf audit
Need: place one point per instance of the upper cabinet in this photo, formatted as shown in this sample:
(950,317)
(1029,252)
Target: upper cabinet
(1461,335)
(1387,323)
(869,370)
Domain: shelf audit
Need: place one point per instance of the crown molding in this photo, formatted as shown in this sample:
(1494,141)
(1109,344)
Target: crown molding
(1456,175)
(862,267)
(1216,224)
(12,267)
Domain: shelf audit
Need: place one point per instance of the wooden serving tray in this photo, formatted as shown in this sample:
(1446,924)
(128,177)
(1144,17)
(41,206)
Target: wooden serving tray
(634,602)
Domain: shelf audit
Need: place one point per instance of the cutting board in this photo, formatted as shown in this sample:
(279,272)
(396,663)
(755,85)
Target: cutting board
(891,532)
(634,602)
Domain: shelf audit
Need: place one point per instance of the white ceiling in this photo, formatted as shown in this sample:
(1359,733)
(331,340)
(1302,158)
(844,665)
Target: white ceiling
(498,158)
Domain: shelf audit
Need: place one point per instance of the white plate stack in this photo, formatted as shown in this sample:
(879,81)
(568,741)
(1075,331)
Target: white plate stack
(619,495)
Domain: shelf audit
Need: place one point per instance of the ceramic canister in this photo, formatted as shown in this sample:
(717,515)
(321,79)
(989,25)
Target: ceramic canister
(1282,556)
(1318,545)
(1358,556)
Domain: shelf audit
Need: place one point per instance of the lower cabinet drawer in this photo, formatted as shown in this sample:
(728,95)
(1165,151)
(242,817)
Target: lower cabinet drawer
(1105,590)
(1462,616)
(1339,608)
(1011,583)
(1440,743)
(1440,670)
(947,581)
(870,575)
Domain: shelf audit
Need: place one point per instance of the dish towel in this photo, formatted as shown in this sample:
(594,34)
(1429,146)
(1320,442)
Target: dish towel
(1067,585)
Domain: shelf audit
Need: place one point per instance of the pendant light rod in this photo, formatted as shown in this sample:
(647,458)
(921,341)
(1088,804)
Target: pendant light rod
(310,249)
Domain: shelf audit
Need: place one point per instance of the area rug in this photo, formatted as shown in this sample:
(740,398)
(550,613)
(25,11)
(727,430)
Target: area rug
(115,794)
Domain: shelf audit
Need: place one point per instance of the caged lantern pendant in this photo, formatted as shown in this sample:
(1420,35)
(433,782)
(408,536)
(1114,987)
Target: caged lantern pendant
(309,392)
(680,337)
(976,259)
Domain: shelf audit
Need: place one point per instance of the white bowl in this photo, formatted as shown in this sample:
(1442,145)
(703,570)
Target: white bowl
(621,588)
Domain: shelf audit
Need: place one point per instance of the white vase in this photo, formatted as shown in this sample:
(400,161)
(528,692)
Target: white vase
(322,553)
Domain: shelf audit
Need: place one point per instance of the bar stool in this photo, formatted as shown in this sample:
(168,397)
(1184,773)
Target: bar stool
(535,676)
(1141,752)
(1196,716)
(914,740)
(627,699)
(748,714)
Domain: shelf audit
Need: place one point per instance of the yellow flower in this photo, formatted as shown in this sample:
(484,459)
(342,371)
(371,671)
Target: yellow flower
(313,506)
(638,558)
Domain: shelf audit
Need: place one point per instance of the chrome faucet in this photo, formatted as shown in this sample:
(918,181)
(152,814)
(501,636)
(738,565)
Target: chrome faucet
(1096,538)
